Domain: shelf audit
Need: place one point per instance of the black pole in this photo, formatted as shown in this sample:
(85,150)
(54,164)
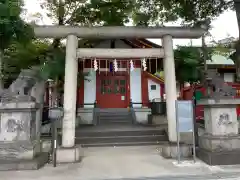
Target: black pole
(54,143)
(194,116)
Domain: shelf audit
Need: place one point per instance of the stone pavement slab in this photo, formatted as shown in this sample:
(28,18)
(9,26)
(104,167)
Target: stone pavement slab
(126,163)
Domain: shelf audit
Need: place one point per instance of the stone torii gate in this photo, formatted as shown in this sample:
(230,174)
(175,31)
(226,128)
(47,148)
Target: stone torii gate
(71,68)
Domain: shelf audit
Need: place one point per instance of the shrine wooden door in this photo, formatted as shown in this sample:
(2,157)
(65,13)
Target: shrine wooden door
(112,91)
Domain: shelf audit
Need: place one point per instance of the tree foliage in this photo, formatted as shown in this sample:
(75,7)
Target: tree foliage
(93,12)
(189,61)
(236,56)
(12,27)
(51,61)
(111,12)
(189,12)
(20,56)
(189,64)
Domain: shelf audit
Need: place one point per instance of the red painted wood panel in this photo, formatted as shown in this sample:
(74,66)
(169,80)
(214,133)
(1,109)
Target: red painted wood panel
(111,99)
(80,94)
(80,90)
(145,98)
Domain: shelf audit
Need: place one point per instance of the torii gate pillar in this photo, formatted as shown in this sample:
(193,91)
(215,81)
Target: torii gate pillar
(170,86)
(69,152)
(70,92)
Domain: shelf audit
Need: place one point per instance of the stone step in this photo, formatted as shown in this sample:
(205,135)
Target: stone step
(126,144)
(120,139)
(118,131)
(80,133)
(109,110)
(113,115)
(118,134)
(110,119)
(119,122)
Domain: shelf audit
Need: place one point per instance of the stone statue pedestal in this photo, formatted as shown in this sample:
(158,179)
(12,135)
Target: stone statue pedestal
(220,143)
(20,147)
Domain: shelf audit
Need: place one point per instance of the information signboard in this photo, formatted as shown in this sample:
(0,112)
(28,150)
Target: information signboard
(184,110)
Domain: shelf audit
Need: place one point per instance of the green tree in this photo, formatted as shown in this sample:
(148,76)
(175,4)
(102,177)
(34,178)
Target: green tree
(188,12)
(237,46)
(85,13)
(20,56)
(93,12)
(12,27)
(198,13)
(189,64)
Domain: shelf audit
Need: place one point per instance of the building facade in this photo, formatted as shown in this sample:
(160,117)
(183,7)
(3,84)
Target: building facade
(115,83)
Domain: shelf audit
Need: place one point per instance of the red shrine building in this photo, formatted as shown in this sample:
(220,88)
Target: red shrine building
(115,83)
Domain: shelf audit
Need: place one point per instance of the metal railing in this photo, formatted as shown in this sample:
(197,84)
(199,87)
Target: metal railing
(88,104)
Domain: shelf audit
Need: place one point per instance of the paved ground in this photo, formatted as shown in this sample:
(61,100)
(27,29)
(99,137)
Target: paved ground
(128,163)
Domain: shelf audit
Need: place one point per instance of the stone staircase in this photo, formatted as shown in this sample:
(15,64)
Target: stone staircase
(114,116)
(115,128)
(120,135)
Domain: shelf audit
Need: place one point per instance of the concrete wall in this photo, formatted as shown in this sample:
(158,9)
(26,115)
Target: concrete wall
(159,120)
(136,86)
(228,77)
(85,116)
(142,115)
(153,94)
(90,88)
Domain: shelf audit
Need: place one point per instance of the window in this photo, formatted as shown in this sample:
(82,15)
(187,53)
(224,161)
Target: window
(122,90)
(116,82)
(122,82)
(109,90)
(108,82)
(153,87)
(103,82)
(103,90)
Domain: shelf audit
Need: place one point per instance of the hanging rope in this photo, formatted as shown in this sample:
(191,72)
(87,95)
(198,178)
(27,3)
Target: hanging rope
(115,65)
(156,65)
(95,65)
(99,67)
(144,65)
(131,65)
(106,61)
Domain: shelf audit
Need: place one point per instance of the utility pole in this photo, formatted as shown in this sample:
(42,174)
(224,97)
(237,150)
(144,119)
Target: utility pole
(237,60)
(205,57)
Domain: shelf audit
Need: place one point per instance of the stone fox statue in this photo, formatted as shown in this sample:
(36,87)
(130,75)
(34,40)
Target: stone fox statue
(219,88)
(21,87)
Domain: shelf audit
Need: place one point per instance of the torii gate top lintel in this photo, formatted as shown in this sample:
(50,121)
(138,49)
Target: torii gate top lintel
(105,32)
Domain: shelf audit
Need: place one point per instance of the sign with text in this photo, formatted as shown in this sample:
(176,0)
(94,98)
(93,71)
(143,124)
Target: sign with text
(184,116)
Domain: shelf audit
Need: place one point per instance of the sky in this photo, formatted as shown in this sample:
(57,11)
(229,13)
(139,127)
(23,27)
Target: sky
(224,26)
